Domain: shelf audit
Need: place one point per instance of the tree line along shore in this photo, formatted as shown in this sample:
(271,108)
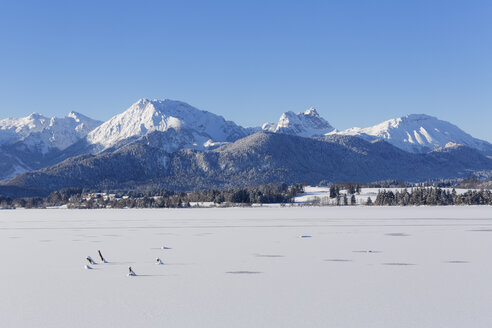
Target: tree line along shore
(442,193)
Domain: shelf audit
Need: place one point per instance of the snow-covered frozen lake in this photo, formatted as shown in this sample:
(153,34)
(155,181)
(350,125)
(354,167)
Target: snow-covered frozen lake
(249,267)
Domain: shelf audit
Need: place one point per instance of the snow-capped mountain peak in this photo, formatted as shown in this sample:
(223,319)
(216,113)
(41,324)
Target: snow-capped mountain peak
(41,133)
(78,117)
(146,116)
(418,133)
(12,129)
(306,124)
(36,116)
(311,111)
(31,142)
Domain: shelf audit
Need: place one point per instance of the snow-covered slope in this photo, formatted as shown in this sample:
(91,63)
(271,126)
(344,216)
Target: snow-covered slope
(13,129)
(35,141)
(307,124)
(419,133)
(146,116)
(42,134)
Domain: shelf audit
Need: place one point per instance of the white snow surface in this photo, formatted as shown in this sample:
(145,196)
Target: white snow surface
(418,133)
(247,267)
(306,124)
(161,115)
(44,133)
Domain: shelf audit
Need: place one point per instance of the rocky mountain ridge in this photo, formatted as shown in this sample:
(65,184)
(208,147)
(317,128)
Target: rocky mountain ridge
(180,132)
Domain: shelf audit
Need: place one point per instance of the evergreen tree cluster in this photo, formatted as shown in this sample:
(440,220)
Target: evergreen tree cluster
(351,188)
(433,196)
(79,198)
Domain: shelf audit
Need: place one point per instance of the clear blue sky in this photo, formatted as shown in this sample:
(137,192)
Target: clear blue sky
(358,62)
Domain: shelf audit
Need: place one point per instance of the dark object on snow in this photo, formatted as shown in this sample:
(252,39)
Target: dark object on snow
(130,272)
(90,260)
(158,261)
(101,256)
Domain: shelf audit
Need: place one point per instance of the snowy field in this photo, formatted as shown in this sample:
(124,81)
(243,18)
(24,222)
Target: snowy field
(248,267)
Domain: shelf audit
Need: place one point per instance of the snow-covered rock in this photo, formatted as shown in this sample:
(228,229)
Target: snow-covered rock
(131,273)
(306,124)
(147,116)
(419,133)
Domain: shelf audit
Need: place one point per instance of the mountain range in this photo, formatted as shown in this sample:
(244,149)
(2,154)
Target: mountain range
(35,141)
(419,133)
(171,145)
